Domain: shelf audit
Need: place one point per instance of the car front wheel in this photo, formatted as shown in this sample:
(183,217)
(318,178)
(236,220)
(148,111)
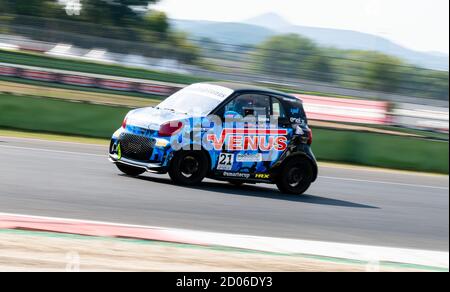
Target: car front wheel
(188,167)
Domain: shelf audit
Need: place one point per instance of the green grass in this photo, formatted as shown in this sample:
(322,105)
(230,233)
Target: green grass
(95,68)
(99,121)
(381,150)
(60,116)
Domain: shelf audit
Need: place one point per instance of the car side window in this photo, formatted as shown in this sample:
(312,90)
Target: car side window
(278,110)
(250,105)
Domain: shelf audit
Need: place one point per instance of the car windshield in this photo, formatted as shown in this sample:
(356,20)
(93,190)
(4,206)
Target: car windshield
(196,99)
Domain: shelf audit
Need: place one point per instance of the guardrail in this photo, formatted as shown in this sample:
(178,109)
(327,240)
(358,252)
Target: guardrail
(89,80)
(421,117)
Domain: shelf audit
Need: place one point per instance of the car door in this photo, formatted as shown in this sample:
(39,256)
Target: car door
(245,120)
(280,131)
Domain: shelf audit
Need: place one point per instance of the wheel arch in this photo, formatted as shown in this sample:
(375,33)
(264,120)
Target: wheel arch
(298,155)
(194,149)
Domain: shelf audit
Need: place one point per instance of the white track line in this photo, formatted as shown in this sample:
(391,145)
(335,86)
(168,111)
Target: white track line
(55,141)
(52,151)
(384,182)
(366,253)
(323,177)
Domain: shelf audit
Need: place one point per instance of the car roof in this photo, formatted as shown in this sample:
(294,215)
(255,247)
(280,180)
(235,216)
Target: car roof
(238,87)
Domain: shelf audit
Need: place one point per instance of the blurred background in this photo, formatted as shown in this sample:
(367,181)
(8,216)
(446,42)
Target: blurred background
(371,100)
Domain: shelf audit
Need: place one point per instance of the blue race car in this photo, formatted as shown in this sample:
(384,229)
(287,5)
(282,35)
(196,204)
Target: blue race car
(228,132)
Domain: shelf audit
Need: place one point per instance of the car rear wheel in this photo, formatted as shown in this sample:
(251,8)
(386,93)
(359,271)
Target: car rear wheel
(296,177)
(130,170)
(188,167)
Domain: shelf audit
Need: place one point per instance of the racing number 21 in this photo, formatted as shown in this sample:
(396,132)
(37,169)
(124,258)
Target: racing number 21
(225,161)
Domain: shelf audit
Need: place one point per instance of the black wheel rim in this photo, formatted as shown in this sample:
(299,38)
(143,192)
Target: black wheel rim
(189,166)
(295,177)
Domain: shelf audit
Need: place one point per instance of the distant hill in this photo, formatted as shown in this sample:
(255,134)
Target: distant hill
(225,32)
(270,21)
(258,29)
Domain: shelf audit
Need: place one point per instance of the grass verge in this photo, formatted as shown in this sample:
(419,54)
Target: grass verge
(60,116)
(380,150)
(76,95)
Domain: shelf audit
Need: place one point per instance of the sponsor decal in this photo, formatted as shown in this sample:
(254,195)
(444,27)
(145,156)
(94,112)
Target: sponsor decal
(299,130)
(161,143)
(237,175)
(262,176)
(226,161)
(119,152)
(297,121)
(209,90)
(249,139)
(249,157)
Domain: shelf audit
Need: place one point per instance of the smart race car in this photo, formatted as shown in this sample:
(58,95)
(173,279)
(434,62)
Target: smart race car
(228,132)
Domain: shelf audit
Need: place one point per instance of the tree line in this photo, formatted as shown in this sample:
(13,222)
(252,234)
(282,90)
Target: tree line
(107,20)
(298,57)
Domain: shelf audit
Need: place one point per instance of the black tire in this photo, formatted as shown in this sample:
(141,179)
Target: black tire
(295,177)
(130,170)
(189,167)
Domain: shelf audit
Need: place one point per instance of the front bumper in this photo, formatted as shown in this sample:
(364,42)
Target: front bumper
(147,166)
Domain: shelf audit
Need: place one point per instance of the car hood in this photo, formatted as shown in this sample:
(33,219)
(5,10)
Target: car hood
(152,118)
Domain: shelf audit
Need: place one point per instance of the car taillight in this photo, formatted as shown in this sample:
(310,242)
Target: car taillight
(310,137)
(124,123)
(170,128)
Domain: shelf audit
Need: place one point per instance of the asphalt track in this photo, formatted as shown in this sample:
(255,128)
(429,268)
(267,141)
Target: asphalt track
(349,205)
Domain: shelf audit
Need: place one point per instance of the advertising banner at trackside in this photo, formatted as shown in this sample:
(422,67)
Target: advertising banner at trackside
(345,110)
(78,80)
(8,71)
(39,75)
(89,80)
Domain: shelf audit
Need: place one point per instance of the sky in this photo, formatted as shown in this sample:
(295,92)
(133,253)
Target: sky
(422,25)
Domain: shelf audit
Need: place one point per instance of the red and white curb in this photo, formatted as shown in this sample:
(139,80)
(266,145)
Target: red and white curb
(364,253)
